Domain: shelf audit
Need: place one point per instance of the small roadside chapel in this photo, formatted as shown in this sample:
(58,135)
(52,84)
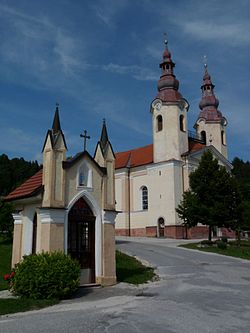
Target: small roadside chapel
(69,206)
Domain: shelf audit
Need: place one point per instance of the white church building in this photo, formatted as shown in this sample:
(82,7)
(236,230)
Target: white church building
(150,180)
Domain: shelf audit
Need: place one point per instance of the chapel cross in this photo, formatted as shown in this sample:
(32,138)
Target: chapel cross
(85,137)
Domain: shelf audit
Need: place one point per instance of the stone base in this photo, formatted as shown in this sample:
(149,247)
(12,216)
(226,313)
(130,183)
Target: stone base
(175,232)
(106,280)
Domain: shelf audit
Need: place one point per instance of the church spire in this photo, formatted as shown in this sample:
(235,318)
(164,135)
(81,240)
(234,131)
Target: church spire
(168,85)
(209,103)
(56,127)
(104,136)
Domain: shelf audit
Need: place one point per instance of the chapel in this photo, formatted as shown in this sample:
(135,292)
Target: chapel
(69,206)
(150,180)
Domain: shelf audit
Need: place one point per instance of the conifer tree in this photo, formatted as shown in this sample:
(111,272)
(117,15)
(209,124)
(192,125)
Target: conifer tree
(213,198)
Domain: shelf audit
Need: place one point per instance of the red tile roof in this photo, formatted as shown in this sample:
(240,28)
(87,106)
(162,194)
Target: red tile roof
(144,155)
(194,146)
(29,188)
(134,157)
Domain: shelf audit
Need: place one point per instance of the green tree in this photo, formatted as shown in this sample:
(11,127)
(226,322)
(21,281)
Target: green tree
(241,171)
(6,220)
(13,172)
(212,199)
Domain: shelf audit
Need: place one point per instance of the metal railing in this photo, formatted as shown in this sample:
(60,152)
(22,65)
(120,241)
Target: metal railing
(195,136)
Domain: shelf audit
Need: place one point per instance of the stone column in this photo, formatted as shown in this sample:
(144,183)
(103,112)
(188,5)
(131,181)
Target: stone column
(109,264)
(52,229)
(17,239)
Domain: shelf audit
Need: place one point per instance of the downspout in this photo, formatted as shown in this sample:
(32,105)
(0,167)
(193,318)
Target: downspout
(185,232)
(129,206)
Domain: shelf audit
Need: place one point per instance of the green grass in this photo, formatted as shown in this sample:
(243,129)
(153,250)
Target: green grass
(130,270)
(5,261)
(12,305)
(232,250)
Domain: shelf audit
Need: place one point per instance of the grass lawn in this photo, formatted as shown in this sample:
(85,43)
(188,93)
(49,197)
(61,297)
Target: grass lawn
(13,305)
(130,270)
(5,260)
(232,249)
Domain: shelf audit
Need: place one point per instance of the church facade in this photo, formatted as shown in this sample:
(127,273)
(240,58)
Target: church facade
(150,180)
(69,206)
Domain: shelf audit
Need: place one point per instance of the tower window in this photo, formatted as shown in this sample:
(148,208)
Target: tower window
(182,123)
(144,194)
(159,123)
(203,137)
(223,139)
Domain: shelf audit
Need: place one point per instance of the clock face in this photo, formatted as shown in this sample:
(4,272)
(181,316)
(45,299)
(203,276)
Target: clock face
(156,104)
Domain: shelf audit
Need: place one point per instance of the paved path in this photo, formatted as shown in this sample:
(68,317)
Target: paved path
(197,292)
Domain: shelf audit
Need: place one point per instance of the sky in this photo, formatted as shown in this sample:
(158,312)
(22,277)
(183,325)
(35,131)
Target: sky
(100,59)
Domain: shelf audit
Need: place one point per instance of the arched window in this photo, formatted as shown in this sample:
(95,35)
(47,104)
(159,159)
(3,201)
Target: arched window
(144,194)
(84,175)
(203,137)
(182,123)
(34,234)
(223,139)
(159,123)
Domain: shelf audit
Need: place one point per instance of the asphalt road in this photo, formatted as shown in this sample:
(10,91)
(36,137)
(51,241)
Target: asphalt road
(197,292)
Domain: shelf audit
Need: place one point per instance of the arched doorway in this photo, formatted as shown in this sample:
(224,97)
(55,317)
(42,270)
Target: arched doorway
(81,239)
(161,227)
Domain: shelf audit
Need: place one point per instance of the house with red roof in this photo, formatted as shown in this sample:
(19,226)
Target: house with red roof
(150,180)
(69,206)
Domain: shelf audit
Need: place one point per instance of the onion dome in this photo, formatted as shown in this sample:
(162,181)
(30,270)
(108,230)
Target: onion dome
(168,85)
(209,103)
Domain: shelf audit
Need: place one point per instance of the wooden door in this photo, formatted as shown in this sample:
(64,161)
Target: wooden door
(81,239)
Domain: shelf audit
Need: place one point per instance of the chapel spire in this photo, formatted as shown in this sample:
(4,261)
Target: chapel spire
(209,103)
(168,85)
(56,127)
(104,136)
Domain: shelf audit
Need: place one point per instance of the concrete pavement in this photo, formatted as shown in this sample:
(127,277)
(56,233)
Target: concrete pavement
(197,292)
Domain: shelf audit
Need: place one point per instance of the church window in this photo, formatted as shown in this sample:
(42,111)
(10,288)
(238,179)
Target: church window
(159,123)
(223,141)
(84,176)
(203,137)
(182,123)
(144,192)
(34,234)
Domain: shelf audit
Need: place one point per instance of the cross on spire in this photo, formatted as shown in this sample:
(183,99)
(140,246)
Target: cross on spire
(205,61)
(85,137)
(165,39)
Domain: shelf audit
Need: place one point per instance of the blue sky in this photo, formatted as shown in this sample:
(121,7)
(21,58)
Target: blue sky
(100,59)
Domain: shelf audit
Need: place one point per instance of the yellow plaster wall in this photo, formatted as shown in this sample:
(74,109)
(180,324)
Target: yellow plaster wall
(17,245)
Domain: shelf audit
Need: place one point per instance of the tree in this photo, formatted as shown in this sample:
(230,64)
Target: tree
(211,199)
(12,173)
(6,220)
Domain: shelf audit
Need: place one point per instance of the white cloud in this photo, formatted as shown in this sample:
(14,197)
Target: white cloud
(137,72)
(16,141)
(107,10)
(233,33)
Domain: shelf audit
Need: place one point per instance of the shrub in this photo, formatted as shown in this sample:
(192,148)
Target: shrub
(224,239)
(46,276)
(207,243)
(221,245)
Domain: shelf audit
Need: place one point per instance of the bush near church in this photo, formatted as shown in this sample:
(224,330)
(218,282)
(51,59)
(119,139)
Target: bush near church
(46,276)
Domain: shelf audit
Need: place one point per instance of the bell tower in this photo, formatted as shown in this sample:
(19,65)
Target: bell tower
(169,114)
(211,124)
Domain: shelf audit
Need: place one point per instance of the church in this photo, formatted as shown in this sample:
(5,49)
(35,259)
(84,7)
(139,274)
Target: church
(69,206)
(78,204)
(150,180)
